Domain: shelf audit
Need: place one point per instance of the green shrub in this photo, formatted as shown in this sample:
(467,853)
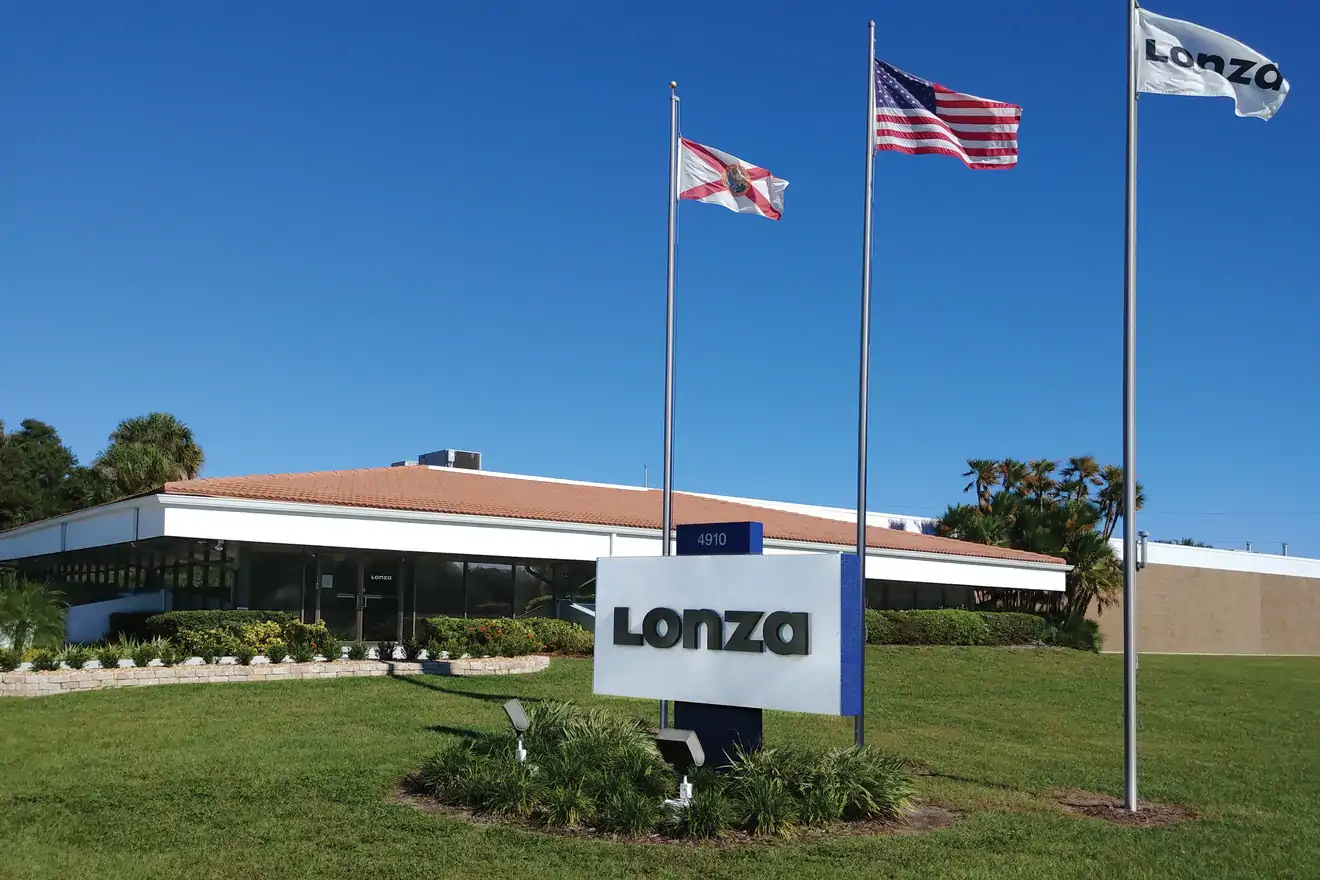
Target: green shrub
(109,656)
(245,654)
(357,651)
(45,660)
(568,806)
(259,635)
(822,806)
(630,812)
(709,815)
(385,650)
(412,648)
(331,647)
(276,652)
(1084,636)
(599,768)
(131,623)
(145,652)
(209,644)
(32,615)
(764,806)
(487,637)
(302,652)
(942,626)
(517,791)
(76,655)
(560,636)
(9,659)
(1013,628)
(171,623)
(446,629)
(873,785)
(953,626)
(170,655)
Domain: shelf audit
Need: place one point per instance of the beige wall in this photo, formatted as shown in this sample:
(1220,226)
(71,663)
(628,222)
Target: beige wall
(1181,609)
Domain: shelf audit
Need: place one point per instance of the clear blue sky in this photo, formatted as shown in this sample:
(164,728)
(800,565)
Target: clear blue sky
(334,235)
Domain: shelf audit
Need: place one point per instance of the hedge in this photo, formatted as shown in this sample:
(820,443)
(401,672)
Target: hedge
(1013,628)
(171,623)
(952,626)
(555,636)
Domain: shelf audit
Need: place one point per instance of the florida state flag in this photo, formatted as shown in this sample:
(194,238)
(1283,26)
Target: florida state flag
(706,174)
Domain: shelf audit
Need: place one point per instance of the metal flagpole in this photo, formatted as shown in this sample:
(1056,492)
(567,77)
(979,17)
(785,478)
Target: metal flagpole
(667,490)
(863,381)
(1130,433)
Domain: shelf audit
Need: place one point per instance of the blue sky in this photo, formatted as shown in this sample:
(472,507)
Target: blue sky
(334,235)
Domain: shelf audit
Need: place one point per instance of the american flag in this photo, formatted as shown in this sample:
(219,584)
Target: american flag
(916,116)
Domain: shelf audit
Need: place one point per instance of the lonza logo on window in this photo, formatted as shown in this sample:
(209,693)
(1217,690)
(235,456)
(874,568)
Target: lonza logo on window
(784,632)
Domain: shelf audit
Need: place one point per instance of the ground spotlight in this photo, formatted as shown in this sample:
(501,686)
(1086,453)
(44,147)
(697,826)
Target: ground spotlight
(682,749)
(518,718)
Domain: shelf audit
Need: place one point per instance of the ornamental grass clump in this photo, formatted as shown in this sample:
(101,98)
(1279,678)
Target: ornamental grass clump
(109,656)
(591,768)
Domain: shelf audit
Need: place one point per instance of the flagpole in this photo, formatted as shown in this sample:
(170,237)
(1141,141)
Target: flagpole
(863,380)
(667,491)
(1130,433)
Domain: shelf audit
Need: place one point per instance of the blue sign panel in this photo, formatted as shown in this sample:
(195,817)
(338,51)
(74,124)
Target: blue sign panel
(721,539)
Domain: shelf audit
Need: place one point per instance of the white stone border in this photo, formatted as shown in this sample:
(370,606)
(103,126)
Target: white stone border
(63,681)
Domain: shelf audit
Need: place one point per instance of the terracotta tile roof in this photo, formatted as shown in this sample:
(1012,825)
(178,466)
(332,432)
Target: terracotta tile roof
(445,490)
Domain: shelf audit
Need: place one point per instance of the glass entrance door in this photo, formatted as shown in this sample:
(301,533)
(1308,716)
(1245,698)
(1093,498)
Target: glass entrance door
(358,596)
(382,585)
(337,594)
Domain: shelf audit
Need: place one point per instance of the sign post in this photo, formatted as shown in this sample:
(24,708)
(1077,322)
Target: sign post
(722,730)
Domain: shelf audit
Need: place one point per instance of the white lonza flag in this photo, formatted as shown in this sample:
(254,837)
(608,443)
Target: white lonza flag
(1180,58)
(706,174)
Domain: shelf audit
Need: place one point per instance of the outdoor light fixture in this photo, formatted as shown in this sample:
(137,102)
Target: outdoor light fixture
(518,718)
(682,749)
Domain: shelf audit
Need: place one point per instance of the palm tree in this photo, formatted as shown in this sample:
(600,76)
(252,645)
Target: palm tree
(1081,473)
(985,476)
(166,433)
(1096,576)
(30,614)
(128,469)
(1110,497)
(1011,474)
(1039,483)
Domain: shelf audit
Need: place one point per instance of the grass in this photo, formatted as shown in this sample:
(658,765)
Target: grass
(293,779)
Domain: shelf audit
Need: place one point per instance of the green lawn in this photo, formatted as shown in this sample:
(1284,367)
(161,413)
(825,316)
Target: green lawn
(293,779)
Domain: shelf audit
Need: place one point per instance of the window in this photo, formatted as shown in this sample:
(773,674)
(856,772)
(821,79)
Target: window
(533,591)
(277,580)
(439,587)
(576,581)
(489,589)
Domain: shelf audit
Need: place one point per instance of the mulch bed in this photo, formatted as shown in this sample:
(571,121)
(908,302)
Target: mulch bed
(924,818)
(1112,809)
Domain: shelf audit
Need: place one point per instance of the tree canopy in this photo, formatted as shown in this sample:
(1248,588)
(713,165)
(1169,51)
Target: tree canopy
(1040,507)
(40,477)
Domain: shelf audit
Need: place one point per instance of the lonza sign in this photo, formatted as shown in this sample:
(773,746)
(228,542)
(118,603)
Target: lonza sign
(664,627)
(773,632)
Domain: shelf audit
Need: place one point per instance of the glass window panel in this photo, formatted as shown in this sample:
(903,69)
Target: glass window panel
(276,581)
(576,581)
(439,587)
(489,589)
(533,591)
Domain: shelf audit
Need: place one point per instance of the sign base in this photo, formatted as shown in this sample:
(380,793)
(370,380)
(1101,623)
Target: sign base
(721,729)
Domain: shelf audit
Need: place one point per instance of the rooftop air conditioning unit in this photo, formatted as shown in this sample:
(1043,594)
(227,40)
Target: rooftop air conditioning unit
(454,458)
